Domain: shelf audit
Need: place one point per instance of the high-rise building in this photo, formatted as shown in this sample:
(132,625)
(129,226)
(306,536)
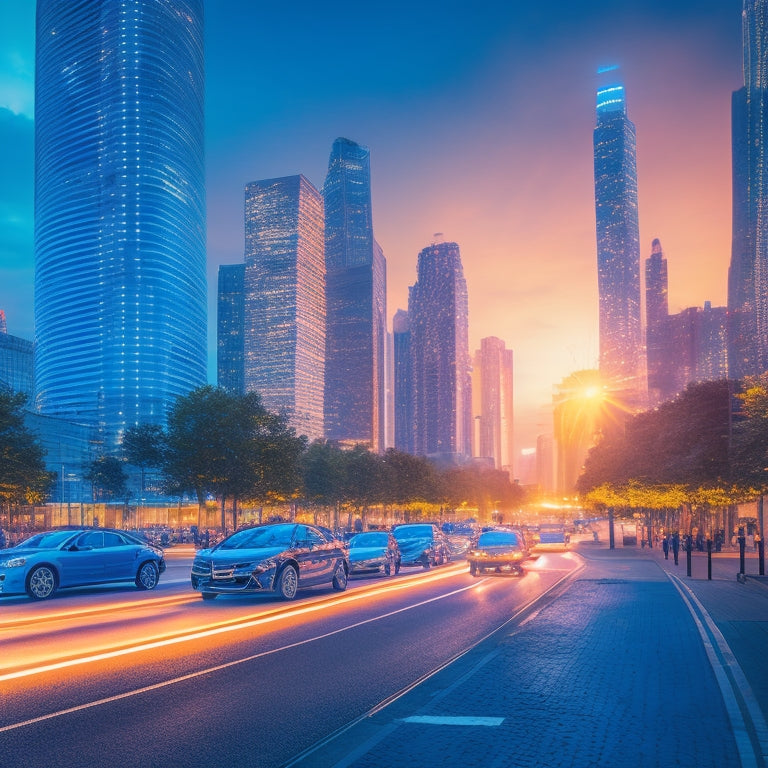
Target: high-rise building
(403,385)
(622,353)
(439,326)
(492,390)
(656,317)
(230,326)
(748,271)
(16,362)
(284,306)
(120,283)
(356,304)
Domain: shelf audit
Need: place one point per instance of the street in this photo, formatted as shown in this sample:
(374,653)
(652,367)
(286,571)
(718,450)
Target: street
(116,677)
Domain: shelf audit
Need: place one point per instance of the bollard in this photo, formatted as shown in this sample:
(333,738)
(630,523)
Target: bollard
(742,546)
(709,559)
(761,557)
(688,554)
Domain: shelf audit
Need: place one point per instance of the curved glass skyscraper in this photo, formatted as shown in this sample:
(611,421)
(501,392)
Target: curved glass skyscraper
(120,286)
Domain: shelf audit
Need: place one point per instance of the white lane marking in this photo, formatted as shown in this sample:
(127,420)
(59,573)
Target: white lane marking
(747,754)
(200,673)
(456,720)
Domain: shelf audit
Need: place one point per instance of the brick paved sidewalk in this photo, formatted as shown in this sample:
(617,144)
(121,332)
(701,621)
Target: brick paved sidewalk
(610,672)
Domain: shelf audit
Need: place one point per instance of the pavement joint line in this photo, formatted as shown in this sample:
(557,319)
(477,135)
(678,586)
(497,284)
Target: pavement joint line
(731,681)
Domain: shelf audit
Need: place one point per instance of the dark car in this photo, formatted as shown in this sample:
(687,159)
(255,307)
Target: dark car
(278,557)
(57,559)
(421,544)
(497,551)
(374,552)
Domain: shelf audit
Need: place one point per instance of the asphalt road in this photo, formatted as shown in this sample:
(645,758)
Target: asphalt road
(114,677)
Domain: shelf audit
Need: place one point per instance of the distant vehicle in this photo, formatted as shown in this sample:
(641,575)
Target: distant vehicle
(277,557)
(497,551)
(553,534)
(76,557)
(422,544)
(374,552)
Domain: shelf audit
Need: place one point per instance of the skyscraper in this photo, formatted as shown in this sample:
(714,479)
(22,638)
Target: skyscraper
(622,355)
(403,395)
(656,318)
(493,374)
(120,285)
(439,325)
(748,272)
(356,305)
(284,306)
(230,327)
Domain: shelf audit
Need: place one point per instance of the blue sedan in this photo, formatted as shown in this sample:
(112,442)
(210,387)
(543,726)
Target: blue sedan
(49,561)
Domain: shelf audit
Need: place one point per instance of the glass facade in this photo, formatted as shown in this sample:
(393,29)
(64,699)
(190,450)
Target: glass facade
(748,272)
(356,290)
(16,364)
(284,309)
(438,309)
(230,322)
(403,394)
(120,286)
(622,357)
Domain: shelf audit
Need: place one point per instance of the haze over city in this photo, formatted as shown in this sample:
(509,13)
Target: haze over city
(479,121)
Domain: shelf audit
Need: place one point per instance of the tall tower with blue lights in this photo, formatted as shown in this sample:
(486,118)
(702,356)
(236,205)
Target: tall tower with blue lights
(748,271)
(622,354)
(120,281)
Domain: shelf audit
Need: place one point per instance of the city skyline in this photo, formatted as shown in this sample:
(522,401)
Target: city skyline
(488,142)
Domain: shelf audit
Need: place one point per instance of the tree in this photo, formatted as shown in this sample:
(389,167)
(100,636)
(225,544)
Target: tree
(145,447)
(107,476)
(23,476)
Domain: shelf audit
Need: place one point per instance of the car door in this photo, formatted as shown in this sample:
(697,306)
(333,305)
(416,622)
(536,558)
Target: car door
(83,561)
(119,557)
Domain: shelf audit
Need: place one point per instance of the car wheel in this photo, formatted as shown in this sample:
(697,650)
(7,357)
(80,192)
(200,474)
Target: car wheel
(387,569)
(426,563)
(147,576)
(42,582)
(208,595)
(397,566)
(473,569)
(288,583)
(340,578)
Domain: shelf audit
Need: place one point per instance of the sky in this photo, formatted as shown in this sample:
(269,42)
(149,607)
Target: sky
(479,118)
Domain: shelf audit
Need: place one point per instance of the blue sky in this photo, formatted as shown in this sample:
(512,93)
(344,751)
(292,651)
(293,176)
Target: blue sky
(479,118)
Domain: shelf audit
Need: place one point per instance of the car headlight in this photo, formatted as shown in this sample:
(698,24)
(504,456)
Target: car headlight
(13,562)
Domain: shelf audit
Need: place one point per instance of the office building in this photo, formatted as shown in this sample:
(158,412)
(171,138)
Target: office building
(403,386)
(492,392)
(16,363)
(622,353)
(440,362)
(657,316)
(120,280)
(356,305)
(748,271)
(230,326)
(284,304)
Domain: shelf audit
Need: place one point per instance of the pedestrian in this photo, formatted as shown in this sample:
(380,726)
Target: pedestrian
(675,545)
(2,539)
(665,547)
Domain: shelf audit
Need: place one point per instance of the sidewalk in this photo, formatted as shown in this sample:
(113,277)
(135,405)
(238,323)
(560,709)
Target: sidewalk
(631,664)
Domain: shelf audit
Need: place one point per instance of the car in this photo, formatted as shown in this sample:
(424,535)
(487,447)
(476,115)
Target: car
(497,551)
(374,552)
(274,558)
(60,558)
(553,535)
(421,544)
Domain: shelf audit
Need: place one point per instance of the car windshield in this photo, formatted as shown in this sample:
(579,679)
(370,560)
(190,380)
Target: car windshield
(498,539)
(413,532)
(369,540)
(49,540)
(260,537)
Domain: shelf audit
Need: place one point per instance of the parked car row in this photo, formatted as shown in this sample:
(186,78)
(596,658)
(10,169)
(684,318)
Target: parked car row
(278,558)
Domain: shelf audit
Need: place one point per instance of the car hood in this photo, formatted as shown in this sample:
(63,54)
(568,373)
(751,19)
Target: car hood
(365,553)
(230,556)
(499,549)
(7,554)
(414,546)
